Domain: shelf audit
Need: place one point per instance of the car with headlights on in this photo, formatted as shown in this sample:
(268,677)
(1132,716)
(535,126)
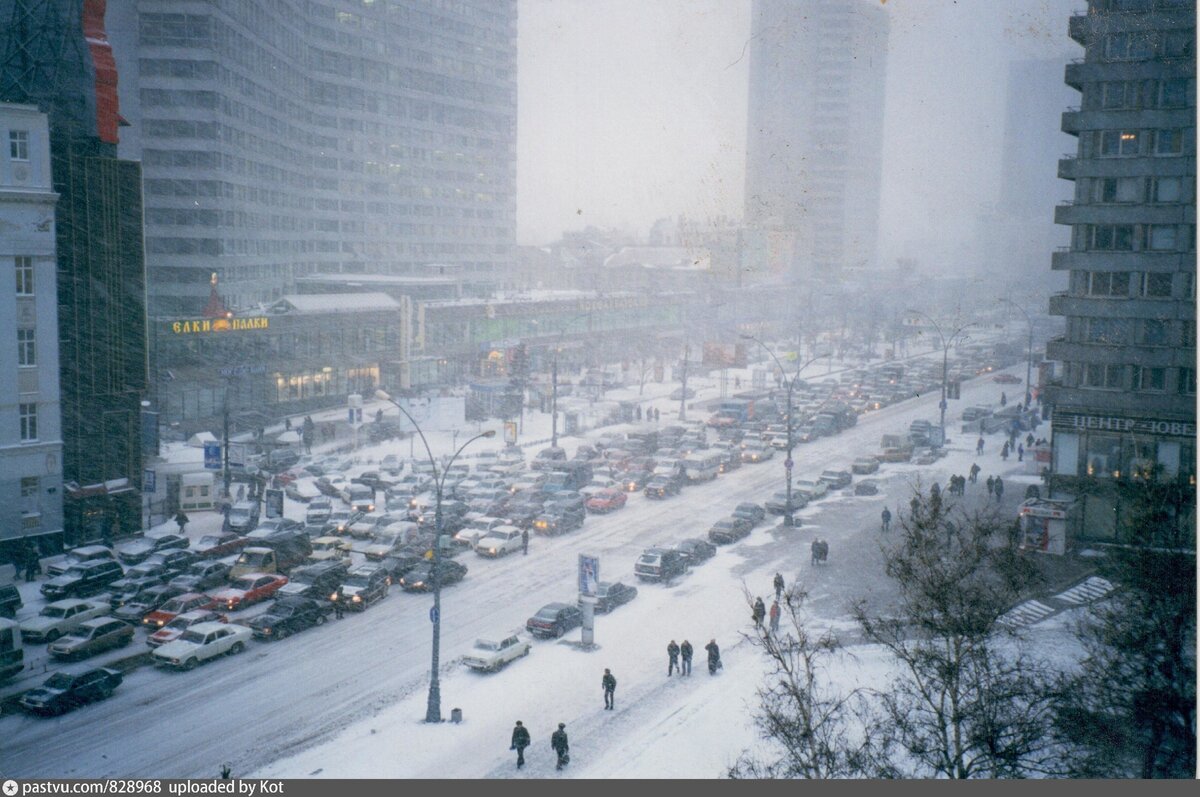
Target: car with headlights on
(500,541)
(187,602)
(200,643)
(757,452)
(419,579)
(91,637)
(60,617)
(489,655)
(289,615)
(362,587)
(148,601)
(174,629)
(70,689)
(248,589)
(554,620)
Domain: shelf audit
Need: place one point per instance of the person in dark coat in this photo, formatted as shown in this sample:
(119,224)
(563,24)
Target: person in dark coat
(759,613)
(1020,453)
(685,654)
(637,413)
(1003,398)
(991,485)
(609,684)
(979,445)
(886,517)
(1029,440)
(182,519)
(33,563)
(558,741)
(520,740)
(673,659)
(714,656)
(999,488)
(778,585)
(1004,452)
(525,541)
(975,472)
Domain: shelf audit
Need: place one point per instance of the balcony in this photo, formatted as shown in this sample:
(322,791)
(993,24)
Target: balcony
(1066,258)
(1065,304)
(1065,350)
(1079,28)
(1067,167)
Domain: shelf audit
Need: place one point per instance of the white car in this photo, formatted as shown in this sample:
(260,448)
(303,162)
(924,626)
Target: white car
(489,655)
(499,542)
(597,484)
(59,618)
(202,642)
(477,529)
(812,489)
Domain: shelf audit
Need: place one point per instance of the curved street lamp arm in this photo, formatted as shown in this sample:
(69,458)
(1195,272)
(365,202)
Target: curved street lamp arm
(424,442)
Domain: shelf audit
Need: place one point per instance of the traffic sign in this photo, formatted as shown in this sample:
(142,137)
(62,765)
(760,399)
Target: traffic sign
(212,456)
(433,614)
(787,463)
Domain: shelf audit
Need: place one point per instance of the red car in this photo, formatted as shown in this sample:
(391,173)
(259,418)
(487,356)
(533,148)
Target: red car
(174,629)
(606,500)
(218,545)
(1007,379)
(250,588)
(188,601)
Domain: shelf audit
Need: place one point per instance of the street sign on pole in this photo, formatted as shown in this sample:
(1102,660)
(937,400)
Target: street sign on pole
(212,456)
(787,463)
(149,481)
(433,614)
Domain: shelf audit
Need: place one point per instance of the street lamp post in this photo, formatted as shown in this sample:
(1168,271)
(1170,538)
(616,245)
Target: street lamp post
(788,518)
(946,345)
(433,708)
(1028,353)
(554,379)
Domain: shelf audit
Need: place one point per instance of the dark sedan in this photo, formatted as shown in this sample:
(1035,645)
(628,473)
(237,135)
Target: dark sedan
(139,550)
(611,594)
(218,545)
(662,486)
(289,615)
(696,551)
(554,620)
(750,511)
(729,530)
(633,481)
(67,690)
(419,579)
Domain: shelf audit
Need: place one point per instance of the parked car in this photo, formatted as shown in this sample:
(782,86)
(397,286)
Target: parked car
(202,642)
(180,604)
(500,541)
(812,489)
(10,600)
(60,617)
(317,580)
(149,600)
(489,655)
(866,487)
(864,465)
(729,530)
(70,689)
(611,594)
(221,544)
(696,551)
(418,579)
(248,589)
(91,637)
(836,479)
(777,504)
(83,580)
(289,615)
(79,556)
(363,587)
(660,564)
(175,628)
(173,561)
(607,499)
(554,620)
(202,575)
(750,511)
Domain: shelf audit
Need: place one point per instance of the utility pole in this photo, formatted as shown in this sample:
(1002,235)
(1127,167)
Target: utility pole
(683,392)
(225,441)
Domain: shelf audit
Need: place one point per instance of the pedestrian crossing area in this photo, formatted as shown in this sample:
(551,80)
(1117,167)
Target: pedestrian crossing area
(1092,589)
(1027,613)
(1032,612)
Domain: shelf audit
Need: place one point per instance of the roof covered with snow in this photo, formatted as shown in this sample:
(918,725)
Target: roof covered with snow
(333,303)
(675,258)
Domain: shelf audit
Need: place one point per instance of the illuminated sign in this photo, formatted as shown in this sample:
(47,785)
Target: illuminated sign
(203,325)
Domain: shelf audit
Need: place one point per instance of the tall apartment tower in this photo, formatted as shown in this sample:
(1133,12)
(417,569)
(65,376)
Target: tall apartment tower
(295,137)
(1125,402)
(54,55)
(815,129)
(30,436)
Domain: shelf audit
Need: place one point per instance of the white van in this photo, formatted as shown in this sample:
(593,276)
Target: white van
(361,497)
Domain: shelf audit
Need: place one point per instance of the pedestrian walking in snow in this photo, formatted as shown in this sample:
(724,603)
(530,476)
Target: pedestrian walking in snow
(1029,440)
(638,413)
(673,659)
(774,615)
(525,542)
(999,487)
(287,424)
(1003,398)
(1004,452)
(979,445)
(1020,453)
(241,493)
(714,656)
(975,472)
(656,414)
(991,485)
(520,740)
(609,684)
(685,655)
(886,517)
(759,613)
(182,519)
(558,742)
(778,585)
(915,505)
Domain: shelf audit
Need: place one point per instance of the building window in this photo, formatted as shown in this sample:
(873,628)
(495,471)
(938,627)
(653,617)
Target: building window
(1168,142)
(1161,237)
(1119,189)
(1112,237)
(1155,332)
(1177,43)
(1187,381)
(1172,93)
(1118,95)
(24,275)
(1152,380)
(1109,283)
(28,415)
(1187,334)
(29,495)
(1156,285)
(18,145)
(1118,143)
(1105,376)
(26,347)
(1107,330)
(1168,189)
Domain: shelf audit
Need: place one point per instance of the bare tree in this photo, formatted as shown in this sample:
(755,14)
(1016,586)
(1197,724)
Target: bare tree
(964,705)
(808,726)
(1130,711)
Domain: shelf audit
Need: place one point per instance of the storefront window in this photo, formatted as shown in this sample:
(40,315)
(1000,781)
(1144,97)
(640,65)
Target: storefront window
(1102,455)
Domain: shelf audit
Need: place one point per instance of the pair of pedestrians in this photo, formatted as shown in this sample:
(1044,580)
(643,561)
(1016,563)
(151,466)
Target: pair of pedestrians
(677,652)
(558,743)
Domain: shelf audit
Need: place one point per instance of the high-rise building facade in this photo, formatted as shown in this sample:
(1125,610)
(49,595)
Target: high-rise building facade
(30,436)
(814,138)
(297,137)
(54,55)
(1124,404)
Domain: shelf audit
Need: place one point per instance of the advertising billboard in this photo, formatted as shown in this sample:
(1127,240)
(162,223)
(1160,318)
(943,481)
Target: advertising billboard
(724,355)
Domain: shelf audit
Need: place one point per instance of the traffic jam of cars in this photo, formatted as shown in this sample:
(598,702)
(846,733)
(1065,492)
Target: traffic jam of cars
(259,581)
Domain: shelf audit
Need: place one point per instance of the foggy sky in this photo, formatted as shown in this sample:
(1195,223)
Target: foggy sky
(631,110)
